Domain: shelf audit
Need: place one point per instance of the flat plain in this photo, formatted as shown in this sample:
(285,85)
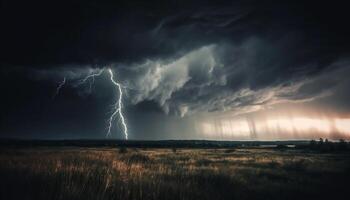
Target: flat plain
(169,173)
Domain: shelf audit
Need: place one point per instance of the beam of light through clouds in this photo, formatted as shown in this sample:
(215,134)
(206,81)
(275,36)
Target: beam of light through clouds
(283,127)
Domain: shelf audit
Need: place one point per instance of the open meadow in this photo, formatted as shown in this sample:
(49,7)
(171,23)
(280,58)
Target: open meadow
(166,173)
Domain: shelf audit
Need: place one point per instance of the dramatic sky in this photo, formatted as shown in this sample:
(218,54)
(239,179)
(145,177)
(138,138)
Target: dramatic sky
(222,70)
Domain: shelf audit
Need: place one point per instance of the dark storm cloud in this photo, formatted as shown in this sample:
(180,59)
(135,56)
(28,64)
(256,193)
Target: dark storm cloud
(337,83)
(186,56)
(205,80)
(86,32)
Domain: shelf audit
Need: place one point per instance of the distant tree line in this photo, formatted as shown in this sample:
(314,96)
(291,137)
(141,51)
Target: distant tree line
(324,145)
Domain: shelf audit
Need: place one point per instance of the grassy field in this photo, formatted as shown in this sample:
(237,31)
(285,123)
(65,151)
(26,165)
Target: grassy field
(111,173)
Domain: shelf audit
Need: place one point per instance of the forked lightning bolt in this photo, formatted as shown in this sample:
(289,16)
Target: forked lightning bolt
(117,108)
(92,77)
(59,87)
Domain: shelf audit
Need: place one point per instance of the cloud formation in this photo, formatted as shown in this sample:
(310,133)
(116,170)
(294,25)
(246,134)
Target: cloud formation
(176,57)
(207,79)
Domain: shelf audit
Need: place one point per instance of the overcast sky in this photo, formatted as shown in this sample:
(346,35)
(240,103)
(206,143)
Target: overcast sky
(188,69)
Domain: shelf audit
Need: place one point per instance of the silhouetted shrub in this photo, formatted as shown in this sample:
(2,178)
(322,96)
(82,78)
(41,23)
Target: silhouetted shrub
(123,149)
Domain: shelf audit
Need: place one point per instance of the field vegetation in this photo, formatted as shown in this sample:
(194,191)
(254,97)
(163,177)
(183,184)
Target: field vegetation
(172,173)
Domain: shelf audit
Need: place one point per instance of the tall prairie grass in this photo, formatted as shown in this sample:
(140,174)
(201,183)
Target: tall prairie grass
(107,173)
